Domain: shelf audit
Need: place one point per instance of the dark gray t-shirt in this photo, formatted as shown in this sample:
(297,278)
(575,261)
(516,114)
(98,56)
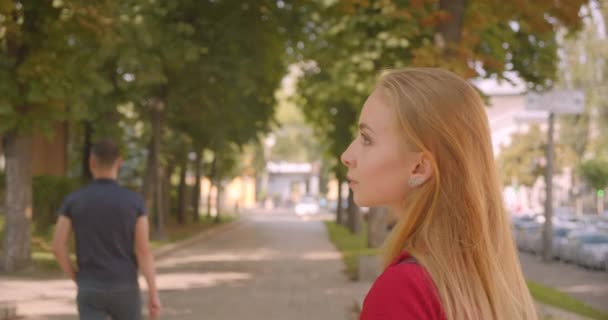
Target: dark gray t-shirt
(103,216)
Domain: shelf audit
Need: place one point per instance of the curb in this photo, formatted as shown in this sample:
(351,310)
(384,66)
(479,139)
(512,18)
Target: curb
(556,313)
(165,250)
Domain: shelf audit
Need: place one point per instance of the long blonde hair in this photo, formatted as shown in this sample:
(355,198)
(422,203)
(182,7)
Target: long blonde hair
(455,224)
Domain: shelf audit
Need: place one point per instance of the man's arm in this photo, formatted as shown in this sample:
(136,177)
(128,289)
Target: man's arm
(60,245)
(145,260)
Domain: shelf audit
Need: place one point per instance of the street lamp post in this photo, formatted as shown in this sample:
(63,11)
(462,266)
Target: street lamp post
(555,102)
(548,227)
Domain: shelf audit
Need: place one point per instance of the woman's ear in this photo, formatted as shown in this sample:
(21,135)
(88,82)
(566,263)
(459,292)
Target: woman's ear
(422,171)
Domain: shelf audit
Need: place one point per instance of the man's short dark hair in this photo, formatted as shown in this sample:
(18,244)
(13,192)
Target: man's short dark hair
(106,152)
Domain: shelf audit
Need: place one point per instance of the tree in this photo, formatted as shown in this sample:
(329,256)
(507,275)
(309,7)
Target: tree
(40,84)
(471,38)
(295,141)
(595,172)
(582,66)
(521,163)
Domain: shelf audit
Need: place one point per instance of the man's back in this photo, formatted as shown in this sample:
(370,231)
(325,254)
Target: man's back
(111,230)
(103,216)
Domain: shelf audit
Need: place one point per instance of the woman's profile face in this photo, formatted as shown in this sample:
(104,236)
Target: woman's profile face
(378,160)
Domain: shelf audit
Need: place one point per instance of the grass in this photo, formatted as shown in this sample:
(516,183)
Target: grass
(563,301)
(352,246)
(45,265)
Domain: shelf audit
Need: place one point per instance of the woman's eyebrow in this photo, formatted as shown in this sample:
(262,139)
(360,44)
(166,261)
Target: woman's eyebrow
(364,125)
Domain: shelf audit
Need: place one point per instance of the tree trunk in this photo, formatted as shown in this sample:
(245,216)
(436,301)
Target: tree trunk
(211,180)
(218,184)
(167,189)
(451,29)
(218,203)
(377,227)
(181,192)
(18,197)
(148,184)
(196,197)
(354,218)
(86,151)
(157,115)
(339,210)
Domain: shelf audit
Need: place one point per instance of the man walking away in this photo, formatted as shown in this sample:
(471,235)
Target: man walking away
(111,231)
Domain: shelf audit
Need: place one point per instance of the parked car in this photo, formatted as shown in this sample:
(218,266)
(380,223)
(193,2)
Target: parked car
(593,251)
(525,234)
(307,205)
(526,220)
(570,250)
(559,237)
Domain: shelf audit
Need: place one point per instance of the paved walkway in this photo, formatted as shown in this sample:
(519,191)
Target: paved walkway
(585,285)
(266,266)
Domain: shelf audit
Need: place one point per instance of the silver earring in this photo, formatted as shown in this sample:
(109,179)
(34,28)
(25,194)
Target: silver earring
(415,181)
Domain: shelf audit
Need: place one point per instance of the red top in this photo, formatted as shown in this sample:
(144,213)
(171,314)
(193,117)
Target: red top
(403,291)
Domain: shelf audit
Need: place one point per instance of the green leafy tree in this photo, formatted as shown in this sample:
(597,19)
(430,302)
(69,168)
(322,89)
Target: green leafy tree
(41,83)
(583,67)
(595,172)
(350,41)
(521,162)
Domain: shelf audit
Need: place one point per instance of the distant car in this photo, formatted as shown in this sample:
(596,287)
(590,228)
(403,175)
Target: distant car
(559,237)
(593,251)
(525,234)
(571,249)
(306,206)
(519,222)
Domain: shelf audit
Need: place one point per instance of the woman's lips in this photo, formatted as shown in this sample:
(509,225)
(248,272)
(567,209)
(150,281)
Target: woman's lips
(351,182)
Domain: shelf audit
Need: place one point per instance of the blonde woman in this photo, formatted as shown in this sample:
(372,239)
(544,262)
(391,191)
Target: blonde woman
(424,151)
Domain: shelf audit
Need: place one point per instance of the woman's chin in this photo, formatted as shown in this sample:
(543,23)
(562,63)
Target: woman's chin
(361,202)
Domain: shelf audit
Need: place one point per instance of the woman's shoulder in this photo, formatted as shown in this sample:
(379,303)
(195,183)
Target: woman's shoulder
(403,291)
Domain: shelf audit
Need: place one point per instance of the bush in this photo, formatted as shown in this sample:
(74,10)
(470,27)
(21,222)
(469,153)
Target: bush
(48,194)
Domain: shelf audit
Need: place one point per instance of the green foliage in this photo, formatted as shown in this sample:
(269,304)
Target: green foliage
(560,300)
(522,159)
(349,42)
(595,172)
(583,68)
(295,141)
(350,245)
(46,61)
(227,164)
(48,194)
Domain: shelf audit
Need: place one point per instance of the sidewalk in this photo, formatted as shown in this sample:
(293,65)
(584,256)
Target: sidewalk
(266,266)
(588,286)
(270,266)
(275,266)
(54,298)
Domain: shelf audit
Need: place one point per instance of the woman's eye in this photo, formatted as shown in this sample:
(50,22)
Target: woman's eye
(366,140)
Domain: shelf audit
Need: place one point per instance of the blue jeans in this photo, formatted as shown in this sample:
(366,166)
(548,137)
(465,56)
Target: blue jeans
(101,303)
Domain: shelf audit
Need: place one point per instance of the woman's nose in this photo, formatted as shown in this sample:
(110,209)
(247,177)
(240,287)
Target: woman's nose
(346,160)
